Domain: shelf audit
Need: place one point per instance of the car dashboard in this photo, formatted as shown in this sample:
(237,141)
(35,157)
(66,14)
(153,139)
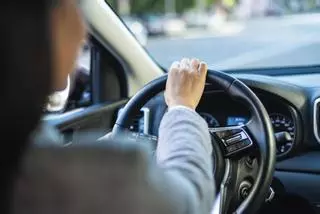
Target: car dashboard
(293,105)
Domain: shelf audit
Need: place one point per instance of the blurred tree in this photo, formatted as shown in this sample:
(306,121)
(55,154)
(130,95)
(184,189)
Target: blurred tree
(211,2)
(158,6)
(147,6)
(184,5)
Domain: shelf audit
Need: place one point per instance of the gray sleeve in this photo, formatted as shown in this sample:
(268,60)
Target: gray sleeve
(184,153)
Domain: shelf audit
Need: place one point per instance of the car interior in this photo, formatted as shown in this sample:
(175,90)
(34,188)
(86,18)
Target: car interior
(270,116)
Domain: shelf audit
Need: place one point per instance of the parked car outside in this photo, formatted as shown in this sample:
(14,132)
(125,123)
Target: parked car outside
(153,23)
(137,28)
(196,19)
(174,25)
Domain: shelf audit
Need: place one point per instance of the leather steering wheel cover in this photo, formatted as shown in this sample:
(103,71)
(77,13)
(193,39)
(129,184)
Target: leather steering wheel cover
(237,90)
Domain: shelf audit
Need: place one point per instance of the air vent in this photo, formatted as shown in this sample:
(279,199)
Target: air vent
(141,121)
(316,119)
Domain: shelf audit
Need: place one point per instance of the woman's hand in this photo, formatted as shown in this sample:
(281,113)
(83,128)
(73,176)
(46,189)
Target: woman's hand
(185,84)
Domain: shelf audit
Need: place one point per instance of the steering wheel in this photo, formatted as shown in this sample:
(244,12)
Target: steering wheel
(246,153)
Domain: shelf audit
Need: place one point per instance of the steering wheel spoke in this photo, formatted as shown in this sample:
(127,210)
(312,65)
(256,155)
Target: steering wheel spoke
(223,200)
(237,144)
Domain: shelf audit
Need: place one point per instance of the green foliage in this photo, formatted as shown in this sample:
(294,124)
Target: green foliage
(147,6)
(182,5)
(158,6)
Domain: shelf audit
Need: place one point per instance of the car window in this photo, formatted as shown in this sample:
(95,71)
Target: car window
(77,94)
(227,34)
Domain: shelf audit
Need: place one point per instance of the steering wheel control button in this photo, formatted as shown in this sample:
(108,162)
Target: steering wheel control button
(237,143)
(231,148)
(244,190)
(224,134)
(244,143)
(233,139)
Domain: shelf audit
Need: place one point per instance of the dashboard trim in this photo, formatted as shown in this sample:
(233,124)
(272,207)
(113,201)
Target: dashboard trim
(315,124)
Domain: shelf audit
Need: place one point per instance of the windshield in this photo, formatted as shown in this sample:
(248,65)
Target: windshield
(228,34)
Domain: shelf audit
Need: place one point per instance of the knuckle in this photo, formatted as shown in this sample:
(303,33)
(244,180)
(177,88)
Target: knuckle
(173,70)
(195,71)
(192,73)
(185,70)
(196,60)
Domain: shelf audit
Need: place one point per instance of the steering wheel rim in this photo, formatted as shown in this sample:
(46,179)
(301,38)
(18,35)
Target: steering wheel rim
(260,128)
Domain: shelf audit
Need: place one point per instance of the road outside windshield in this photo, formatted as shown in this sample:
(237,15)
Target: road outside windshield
(226,34)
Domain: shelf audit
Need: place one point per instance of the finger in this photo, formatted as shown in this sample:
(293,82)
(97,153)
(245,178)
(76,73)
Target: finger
(203,69)
(195,64)
(175,65)
(185,64)
(185,61)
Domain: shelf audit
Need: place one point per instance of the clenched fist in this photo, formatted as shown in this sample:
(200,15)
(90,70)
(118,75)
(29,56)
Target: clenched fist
(185,84)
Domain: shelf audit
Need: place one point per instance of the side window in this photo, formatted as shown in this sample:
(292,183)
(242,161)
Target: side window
(77,94)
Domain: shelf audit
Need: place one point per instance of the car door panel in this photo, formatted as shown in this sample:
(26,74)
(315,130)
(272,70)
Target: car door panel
(85,124)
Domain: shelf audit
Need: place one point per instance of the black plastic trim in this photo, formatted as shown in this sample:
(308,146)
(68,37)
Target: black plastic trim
(95,73)
(303,184)
(277,71)
(112,50)
(307,163)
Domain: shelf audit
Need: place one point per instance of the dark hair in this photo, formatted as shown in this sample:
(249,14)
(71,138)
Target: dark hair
(25,80)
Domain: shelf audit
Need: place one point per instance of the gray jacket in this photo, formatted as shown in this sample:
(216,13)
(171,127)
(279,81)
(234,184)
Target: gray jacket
(118,177)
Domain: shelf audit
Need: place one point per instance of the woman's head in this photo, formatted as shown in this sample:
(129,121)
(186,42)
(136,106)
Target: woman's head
(39,44)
